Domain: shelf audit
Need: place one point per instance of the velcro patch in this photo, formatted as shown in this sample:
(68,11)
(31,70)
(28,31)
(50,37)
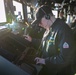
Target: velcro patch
(65,45)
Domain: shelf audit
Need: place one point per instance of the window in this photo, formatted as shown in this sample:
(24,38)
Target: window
(28,12)
(2,12)
(19,8)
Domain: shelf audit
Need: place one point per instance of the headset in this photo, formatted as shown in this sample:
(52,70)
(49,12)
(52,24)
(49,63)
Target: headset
(47,16)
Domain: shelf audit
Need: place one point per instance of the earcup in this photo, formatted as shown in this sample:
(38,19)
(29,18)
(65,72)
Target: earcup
(47,16)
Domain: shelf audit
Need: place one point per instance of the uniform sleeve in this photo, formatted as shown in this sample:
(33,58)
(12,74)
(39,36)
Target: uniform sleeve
(65,46)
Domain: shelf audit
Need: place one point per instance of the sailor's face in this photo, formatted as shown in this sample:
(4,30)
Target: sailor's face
(43,23)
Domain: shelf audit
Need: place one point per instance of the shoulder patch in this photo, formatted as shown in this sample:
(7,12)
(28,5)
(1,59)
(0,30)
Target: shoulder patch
(65,45)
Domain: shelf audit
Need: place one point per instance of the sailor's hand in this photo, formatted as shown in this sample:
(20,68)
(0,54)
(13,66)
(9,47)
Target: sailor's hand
(27,37)
(40,60)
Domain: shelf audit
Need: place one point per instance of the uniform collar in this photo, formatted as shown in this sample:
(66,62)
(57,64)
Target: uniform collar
(56,22)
